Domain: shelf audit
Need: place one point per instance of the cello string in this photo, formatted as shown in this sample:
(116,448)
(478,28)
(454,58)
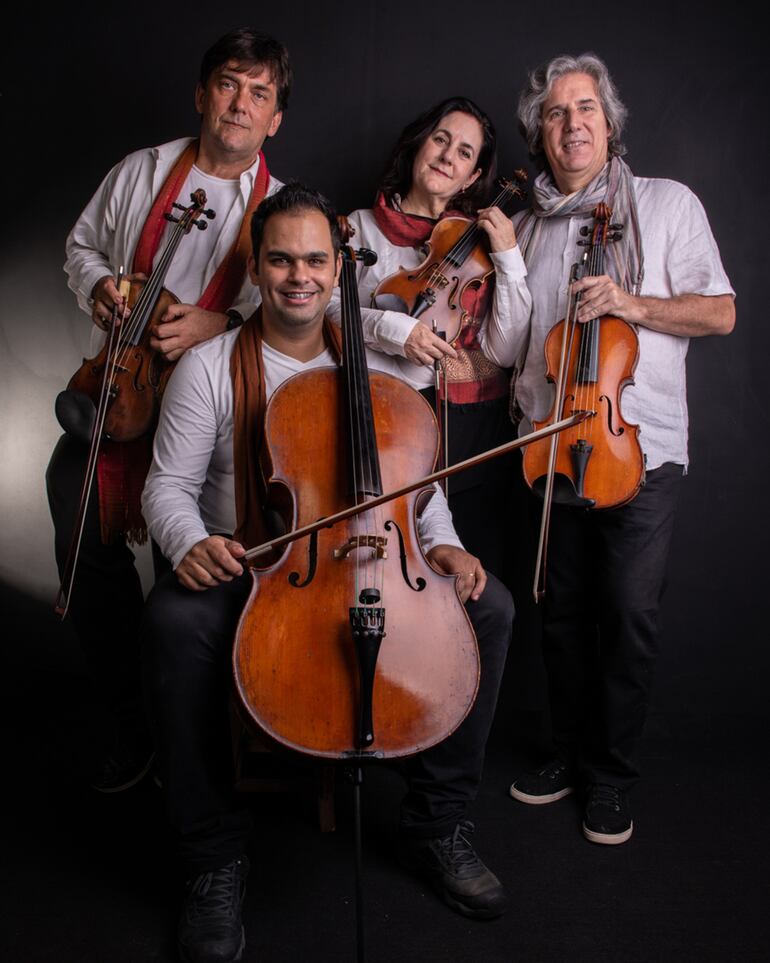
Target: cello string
(353,428)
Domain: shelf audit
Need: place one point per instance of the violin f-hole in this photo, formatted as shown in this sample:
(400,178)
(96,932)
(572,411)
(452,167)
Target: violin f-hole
(617,432)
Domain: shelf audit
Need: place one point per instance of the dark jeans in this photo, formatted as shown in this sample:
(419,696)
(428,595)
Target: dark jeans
(606,577)
(106,600)
(187,647)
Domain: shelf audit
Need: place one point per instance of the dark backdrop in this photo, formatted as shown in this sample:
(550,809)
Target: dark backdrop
(85,87)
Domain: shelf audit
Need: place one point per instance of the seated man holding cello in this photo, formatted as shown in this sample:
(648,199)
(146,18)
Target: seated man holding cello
(201,506)
(661,282)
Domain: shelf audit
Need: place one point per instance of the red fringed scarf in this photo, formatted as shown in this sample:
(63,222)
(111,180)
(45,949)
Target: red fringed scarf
(122,466)
(472,377)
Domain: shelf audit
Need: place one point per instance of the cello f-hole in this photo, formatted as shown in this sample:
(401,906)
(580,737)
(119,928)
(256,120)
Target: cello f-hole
(420,583)
(312,561)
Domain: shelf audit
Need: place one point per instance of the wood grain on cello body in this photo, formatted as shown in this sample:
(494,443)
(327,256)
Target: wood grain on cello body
(351,644)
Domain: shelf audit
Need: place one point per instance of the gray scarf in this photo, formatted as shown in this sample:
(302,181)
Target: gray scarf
(614,185)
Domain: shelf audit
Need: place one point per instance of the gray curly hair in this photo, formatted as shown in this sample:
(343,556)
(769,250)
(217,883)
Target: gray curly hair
(538,89)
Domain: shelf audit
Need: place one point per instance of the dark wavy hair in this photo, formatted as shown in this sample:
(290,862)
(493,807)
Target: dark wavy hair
(397,176)
(292,198)
(252,49)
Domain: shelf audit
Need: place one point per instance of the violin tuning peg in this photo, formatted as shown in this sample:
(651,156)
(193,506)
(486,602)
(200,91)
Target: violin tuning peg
(616,227)
(201,225)
(585,231)
(210,214)
(179,207)
(170,217)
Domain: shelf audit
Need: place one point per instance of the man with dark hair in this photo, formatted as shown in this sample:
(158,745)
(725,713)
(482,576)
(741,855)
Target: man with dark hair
(201,485)
(606,568)
(244,86)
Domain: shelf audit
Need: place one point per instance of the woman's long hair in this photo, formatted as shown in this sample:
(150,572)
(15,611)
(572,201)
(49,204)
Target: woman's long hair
(397,177)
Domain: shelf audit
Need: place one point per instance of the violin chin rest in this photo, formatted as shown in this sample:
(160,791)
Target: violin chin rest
(76,413)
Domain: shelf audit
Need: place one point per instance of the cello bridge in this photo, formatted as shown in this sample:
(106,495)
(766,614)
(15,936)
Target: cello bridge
(376,542)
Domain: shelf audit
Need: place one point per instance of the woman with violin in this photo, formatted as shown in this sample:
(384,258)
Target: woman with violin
(652,278)
(443,166)
(202,486)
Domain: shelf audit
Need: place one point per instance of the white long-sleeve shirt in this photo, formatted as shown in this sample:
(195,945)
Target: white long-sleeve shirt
(503,332)
(680,257)
(189,493)
(107,232)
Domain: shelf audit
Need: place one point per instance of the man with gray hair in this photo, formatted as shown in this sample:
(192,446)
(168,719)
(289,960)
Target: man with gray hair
(606,568)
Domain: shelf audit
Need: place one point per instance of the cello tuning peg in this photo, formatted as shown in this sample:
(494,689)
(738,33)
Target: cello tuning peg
(366,256)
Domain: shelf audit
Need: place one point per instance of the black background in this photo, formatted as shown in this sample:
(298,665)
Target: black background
(88,84)
(85,87)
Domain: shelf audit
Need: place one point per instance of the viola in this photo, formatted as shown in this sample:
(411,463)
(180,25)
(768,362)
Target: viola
(455,268)
(332,655)
(598,464)
(116,395)
(127,377)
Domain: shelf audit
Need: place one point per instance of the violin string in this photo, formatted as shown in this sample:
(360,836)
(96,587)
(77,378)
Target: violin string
(467,241)
(148,296)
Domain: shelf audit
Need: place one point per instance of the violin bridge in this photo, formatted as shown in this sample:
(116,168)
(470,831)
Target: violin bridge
(376,542)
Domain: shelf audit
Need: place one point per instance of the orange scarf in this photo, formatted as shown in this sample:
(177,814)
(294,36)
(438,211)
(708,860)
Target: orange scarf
(249,404)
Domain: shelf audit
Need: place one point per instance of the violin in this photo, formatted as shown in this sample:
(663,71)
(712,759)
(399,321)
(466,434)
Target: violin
(598,464)
(454,270)
(116,395)
(127,377)
(333,657)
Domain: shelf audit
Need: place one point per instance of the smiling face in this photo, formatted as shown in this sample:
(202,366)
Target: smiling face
(447,161)
(296,272)
(575,131)
(239,110)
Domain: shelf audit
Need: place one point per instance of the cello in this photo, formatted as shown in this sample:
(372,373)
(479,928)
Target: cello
(348,671)
(598,464)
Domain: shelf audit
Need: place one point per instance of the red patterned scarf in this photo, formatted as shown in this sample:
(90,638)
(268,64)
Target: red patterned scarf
(471,377)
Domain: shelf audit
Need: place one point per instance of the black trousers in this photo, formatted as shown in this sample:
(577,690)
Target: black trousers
(483,512)
(606,577)
(107,599)
(187,646)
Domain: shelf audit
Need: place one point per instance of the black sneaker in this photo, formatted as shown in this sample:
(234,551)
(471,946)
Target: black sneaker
(210,925)
(607,817)
(119,770)
(545,785)
(456,872)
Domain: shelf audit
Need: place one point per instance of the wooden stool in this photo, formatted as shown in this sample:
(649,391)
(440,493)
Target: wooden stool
(259,769)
